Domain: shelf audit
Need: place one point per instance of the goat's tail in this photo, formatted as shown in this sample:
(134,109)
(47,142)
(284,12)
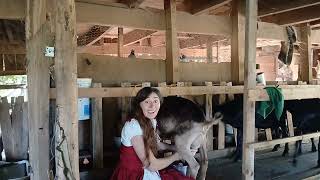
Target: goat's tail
(212,121)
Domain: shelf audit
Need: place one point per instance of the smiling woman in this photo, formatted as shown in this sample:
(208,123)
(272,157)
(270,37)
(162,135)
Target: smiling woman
(139,145)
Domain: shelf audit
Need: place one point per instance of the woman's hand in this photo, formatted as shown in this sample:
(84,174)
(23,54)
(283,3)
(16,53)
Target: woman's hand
(194,151)
(176,156)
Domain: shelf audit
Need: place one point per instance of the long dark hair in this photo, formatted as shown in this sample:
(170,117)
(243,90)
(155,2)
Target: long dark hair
(149,139)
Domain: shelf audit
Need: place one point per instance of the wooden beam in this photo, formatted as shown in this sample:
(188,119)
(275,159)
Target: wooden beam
(13,49)
(165,91)
(285,6)
(283,140)
(141,19)
(290,92)
(315,23)
(172,51)
(38,36)
(16,72)
(67,148)
(136,36)
(13,9)
(93,35)
(199,40)
(237,41)
(297,16)
(206,5)
(97,130)
(251,11)
(112,48)
(305,64)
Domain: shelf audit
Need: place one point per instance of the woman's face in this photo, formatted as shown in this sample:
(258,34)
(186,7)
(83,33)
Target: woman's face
(150,106)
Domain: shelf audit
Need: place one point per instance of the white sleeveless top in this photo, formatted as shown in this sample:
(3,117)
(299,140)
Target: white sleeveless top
(130,129)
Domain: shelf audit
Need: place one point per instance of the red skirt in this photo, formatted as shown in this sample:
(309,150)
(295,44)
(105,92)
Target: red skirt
(131,168)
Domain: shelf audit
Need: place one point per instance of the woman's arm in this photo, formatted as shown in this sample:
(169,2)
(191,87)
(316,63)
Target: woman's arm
(164,146)
(153,163)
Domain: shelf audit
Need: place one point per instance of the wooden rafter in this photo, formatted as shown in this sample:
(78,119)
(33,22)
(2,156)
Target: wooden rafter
(111,48)
(198,40)
(204,6)
(283,6)
(136,35)
(297,16)
(13,49)
(315,24)
(141,19)
(93,35)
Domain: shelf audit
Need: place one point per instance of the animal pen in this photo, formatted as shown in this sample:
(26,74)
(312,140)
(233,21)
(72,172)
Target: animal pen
(99,52)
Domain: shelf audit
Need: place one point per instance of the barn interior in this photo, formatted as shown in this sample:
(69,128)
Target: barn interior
(69,70)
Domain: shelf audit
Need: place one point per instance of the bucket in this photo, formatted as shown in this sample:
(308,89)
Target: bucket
(181,168)
(84,103)
(260,78)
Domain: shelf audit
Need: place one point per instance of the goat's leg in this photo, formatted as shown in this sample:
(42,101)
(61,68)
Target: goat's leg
(285,133)
(286,149)
(313,146)
(183,148)
(318,153)
(238,152)
(1,147)
(296,153)
(277,135)
(203,161)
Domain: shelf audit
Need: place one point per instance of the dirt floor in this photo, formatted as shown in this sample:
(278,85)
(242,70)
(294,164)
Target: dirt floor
(268,165)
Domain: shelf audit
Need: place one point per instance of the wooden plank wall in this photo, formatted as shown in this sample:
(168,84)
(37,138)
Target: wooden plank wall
(111,71)
(14,128)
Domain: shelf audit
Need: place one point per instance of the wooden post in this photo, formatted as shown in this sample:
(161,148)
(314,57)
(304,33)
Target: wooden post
(172,51)
(209,51)
(237,41)
(221,125)
(268,134)
(290,124)
(256,131)
(305,65)
(38,36)
(218,59)
(208,116)
(184,84)
(67,150)
(97,130)
(249,83)
(120,41)
(125,104)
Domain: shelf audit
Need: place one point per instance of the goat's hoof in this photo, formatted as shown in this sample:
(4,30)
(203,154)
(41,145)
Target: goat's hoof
(314,149)
(275,148)
(236,159)
(294,163)
(284,154)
